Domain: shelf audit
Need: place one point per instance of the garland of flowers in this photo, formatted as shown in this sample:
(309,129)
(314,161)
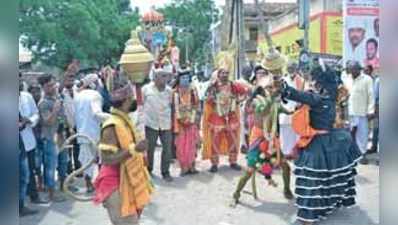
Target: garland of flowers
(270,105)
(232,106)
(177,100)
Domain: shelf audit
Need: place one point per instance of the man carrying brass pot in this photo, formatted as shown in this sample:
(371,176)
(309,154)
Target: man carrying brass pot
(123,184)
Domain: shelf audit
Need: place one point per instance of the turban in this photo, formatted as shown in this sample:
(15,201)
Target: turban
(122,89)
(161,71)
(89,80)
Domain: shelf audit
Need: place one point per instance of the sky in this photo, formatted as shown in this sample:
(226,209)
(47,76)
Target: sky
(145,5)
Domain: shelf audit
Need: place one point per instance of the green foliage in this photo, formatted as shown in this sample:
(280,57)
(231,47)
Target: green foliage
(93,31)
(195,18)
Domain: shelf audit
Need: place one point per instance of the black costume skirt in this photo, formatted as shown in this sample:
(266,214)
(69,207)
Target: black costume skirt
(325,172)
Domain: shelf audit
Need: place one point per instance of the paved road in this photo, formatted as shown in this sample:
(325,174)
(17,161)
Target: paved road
(204,200)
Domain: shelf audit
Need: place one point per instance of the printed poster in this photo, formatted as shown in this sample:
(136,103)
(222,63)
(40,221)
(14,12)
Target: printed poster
(361,32)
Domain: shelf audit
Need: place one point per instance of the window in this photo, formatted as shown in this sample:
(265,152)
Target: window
(253,33)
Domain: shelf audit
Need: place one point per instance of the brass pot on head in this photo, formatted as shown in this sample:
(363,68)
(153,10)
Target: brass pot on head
(136,60)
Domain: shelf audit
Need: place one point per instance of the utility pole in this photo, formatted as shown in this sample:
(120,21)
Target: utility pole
(264,25)
(304,24)
(186,49)
(240,35)
(304,19)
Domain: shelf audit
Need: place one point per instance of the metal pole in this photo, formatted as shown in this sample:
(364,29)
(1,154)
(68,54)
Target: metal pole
(186,49)
(306,38)
(264,25)
(239,33)
(242,56)
(304,21)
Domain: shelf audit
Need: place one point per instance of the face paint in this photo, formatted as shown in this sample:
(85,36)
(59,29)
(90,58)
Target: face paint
(184,81)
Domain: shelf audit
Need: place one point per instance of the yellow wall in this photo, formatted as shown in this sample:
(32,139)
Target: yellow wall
(333,38)
(287,40)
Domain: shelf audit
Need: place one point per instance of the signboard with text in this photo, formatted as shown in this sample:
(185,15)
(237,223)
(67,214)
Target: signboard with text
(361,32)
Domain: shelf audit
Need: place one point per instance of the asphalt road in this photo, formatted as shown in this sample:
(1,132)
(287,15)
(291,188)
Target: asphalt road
(204,199)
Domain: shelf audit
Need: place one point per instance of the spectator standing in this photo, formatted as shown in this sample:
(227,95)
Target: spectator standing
(68,93)
(88,103)
(361,106)
(23,166)
(36,93)
(157,98)
(50,108)
(30,117)
(288,137)
(375,136)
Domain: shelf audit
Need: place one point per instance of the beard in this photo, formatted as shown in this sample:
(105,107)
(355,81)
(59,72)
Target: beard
(133,106)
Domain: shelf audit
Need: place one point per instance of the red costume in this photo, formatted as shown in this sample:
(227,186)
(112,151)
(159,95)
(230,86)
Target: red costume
(221,123)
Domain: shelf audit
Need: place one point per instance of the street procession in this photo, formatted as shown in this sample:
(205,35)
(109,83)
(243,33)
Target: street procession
(199,112)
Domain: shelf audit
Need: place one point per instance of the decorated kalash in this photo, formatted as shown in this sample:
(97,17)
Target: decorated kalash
(264,151)
(136,60)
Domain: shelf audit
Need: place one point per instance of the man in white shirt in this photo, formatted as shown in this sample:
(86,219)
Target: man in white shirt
(361,106)
(29,115)
(288,137)
(157,98)
(68,93)
(88,118)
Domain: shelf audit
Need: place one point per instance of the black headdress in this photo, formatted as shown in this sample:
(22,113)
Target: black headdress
(327,78)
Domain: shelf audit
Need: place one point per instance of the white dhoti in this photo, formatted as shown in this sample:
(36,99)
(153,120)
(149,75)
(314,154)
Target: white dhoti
(243,130)
(288,138)
(85,156)
(362,134)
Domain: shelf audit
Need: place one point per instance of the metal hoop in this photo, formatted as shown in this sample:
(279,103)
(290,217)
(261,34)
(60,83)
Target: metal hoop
(66,145)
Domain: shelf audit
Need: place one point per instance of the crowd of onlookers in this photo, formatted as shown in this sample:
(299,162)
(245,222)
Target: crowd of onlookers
(51,110)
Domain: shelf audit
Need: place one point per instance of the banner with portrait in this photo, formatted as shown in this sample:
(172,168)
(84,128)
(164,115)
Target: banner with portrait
(361,32)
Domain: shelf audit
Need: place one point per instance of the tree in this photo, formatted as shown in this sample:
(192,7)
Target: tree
(92,31)
(194,17)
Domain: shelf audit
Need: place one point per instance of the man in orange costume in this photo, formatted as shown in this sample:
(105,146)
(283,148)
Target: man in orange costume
(123,184)
(221,123)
